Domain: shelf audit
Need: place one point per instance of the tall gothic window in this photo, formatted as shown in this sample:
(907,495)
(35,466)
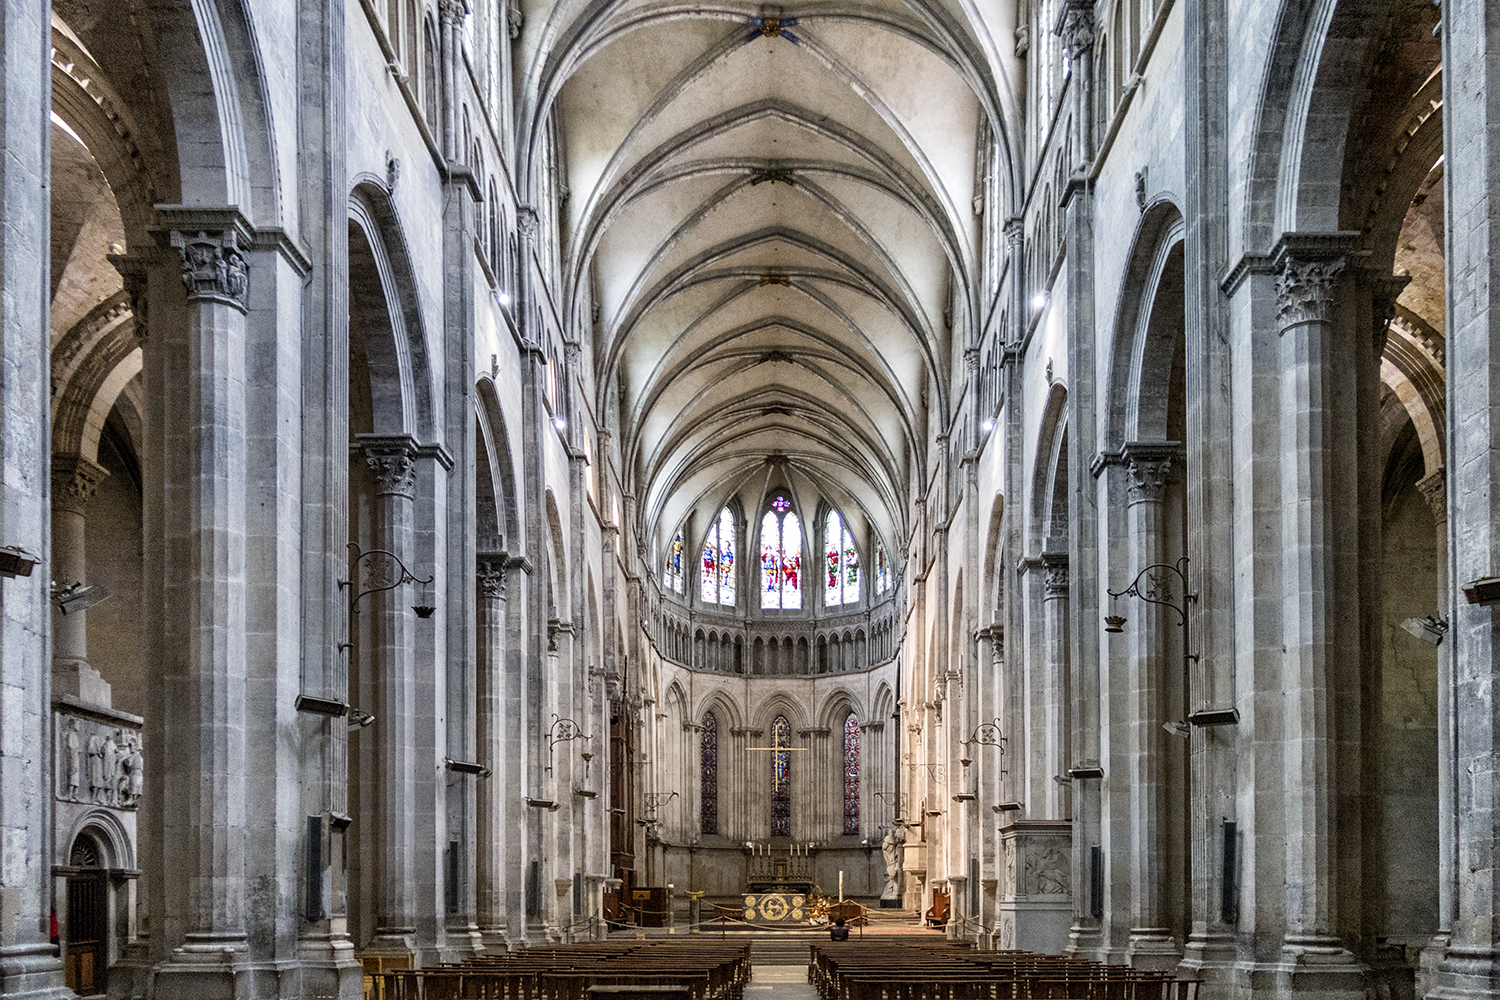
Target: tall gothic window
(709,795)
(851,773)
(781,556)
(882,574)
(671,575)
(716,582)
(841,580)
(781,778)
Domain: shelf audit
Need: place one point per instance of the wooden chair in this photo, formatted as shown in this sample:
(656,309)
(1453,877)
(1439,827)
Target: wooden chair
(937,913)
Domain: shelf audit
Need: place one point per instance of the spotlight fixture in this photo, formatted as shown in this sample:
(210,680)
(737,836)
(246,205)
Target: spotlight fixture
(503,298)
(1485,590)
(989,424)
(1038,301)
(1177,729)
(1430,629)
(16,561)
(559,423)
(76,597)
(466,767)
(359,720)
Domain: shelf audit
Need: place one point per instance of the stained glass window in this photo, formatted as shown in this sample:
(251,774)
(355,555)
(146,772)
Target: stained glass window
(781,778)
(851,773)
(841,576)
(780,557)
(882,577)
(709,796)
(671,575)
(716,581)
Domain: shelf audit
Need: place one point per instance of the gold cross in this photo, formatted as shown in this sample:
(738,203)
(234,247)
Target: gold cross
(775,777)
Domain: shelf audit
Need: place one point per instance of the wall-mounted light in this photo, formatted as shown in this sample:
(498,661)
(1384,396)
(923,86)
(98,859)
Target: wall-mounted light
(1485,590)
(564,731)
(359,720)
(502,298)
(988,425)
(392,581)
(466,767)
(1181,730)
(16,561)
(75,597)
(1430,629)
(1038,301)
(559,423)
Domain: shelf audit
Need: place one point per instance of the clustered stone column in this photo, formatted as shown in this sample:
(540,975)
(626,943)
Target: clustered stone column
(392,462)
(74,481)
(1151,944)
(205,825)
(1306,297)
(492,725)
(1051,701)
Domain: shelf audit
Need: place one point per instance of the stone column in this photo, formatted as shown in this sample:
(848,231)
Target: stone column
(1313,958)
(1435,490)
(27,968)
(1471,78)
(450,20)
(204,790)
(1053,696)
(392,461)
(493,726)
(74,480)
(1151,945)
(1076,27)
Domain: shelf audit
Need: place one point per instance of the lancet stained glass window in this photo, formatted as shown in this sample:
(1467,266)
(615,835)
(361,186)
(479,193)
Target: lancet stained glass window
(708,797)
(671,575)
(851,773)
(882,576)
(841,574)
(781,778)
(781,556)
(716,581)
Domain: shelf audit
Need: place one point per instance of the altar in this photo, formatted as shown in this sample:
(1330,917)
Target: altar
(776,873)
(775,908)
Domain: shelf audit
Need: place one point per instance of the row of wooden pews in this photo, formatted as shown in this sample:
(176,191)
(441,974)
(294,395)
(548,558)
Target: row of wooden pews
(879,968)
(602,970)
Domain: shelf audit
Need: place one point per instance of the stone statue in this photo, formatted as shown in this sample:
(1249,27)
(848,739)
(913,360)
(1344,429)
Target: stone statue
(132,777)
(96,768)
(73,753)
(895,839)
(111,754)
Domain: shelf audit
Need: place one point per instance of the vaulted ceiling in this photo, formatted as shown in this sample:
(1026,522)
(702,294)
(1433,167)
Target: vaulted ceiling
(772,213)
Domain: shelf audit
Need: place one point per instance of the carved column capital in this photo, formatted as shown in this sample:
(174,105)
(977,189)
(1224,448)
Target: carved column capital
(1306,291)
(213,268)
(393,461)
(1384,293)
(526,222)
(74,480)
(1055,576)
(452,11)
(1435,491)
(1149,469)
(490,573)
(132,268)
(1075,25)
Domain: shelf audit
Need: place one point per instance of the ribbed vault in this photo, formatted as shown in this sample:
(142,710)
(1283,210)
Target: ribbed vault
(770,216)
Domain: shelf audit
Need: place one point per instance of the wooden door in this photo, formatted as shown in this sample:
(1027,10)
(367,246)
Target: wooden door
(88,924)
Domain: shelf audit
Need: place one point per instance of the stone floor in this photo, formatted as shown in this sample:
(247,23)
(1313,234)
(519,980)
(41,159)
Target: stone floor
(780,982)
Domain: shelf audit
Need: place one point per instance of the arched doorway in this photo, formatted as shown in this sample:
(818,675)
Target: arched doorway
(86,937)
